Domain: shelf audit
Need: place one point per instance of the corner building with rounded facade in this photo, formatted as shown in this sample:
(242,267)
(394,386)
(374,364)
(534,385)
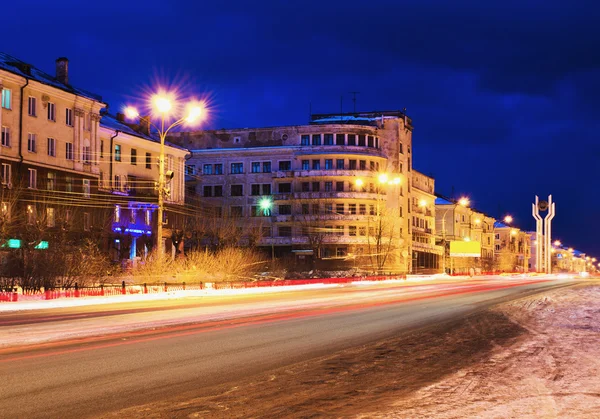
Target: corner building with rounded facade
(331,194)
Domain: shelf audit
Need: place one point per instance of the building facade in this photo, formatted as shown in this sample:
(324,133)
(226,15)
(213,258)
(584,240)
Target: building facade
(513,248)
(48,154)
(128,175)
(331,193)
(426,253)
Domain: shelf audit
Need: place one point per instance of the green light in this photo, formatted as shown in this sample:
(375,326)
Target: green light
(13,243)
(42,245)
(265,205)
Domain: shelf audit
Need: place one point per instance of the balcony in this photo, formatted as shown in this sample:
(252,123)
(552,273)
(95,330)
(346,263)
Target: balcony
(338,195)
(331,217)
(335,172)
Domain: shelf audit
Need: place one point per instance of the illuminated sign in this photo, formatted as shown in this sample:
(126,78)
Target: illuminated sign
(16,244)
(465,249)
(42,245)
(132,230)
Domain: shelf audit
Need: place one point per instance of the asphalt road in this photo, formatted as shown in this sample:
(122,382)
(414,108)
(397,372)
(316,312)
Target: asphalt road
(207,341)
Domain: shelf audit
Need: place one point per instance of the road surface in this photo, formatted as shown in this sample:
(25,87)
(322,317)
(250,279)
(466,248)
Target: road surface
(90,361)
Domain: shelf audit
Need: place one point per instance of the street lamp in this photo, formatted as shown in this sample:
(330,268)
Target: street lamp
(266,204)
(508,219)
(162,104)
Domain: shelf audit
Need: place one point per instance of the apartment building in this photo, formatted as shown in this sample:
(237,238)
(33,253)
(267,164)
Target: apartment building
(426,254)
(512,248)
(48,152)
(457,223)
(128,174)
(333,193)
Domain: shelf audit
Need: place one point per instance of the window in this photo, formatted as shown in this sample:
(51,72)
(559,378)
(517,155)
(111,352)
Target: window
(237,168)
(32,106)
(361,140)
(370,141)
(266,189)
(362,209)
(30,214)
(68,184)
(208,191)
(86,221)
(339,186)
(352,209)
(328,164)
(305,187)
(329,208)
(207,169)
(339,230)
(118,153)
(305,165)
(6,174)
(255,189)
(285,165)
(51,181)
(352,164)
(339,164)
(69,151)
(316,164)
(237,190)
(219,169)
(86,153)
(373,165)
(339,209)
(328,186)
(50,217)
(6,136)
(117,183)
(148,161)
(52,147)
(51,111)
(87,122)
(69,117)
(362,231)
(340,139)
(267,167)
(218,190)
(316,209)
(237,211)
(328,139)
(255,167)
(316,186)
(133,156)
(101,149)
(86,188)
(6,99)
(305,209)
(351,139)
(316,139)
(285,209)
(285,187)
(352,230)
(304,140)
(32,178)
(285,231)
(401,148)
(31,139)
(190,169)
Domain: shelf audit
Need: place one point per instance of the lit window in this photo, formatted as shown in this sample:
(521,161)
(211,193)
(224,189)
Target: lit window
(86,188)
(32,178)
(6,99)
(6,174)
(118,153)
(117,215)
(148,217)
(51,178)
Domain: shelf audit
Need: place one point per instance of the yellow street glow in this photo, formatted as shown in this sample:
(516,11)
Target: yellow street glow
(194,114)
(557,243)
(397,180)
(422,203)
(464,202)
(359,182)
(383,178)
(477,221)
(508,219)
(131,112)
(162,104)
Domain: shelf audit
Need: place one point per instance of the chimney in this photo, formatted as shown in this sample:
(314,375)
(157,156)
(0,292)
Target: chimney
(145,124)
(62,70)
(120,117)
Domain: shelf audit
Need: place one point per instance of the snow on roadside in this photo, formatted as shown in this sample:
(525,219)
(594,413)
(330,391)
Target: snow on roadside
(552,371)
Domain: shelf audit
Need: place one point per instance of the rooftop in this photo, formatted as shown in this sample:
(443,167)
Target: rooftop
(23,69)
(358,118)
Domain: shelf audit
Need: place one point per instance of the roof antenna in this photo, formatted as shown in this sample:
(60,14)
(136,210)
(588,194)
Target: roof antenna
(354,99)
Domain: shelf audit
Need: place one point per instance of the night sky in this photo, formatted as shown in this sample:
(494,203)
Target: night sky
(504,97)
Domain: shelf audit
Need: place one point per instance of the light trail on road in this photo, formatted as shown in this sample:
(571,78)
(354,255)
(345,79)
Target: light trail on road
(210,341)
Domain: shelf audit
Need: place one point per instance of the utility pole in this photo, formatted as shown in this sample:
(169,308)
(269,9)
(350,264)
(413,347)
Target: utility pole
(354,99)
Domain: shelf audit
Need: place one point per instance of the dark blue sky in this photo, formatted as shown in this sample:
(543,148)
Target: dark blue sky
(504,95)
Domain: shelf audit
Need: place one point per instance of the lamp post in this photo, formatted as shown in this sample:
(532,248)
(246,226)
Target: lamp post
(162,104)
(266,204)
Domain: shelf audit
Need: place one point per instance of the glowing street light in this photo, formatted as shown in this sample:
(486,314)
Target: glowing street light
(422,203)
(266,204)
(163,103)
(557,243)
(383,178)
(464,201)
(508,219)
(359,183)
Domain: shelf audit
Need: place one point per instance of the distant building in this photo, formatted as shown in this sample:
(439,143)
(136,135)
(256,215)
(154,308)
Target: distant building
(333,193)
(513,248)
